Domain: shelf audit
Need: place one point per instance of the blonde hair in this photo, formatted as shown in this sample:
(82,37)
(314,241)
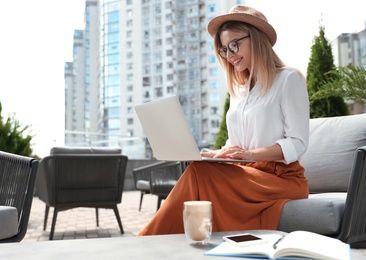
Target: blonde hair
(265,64)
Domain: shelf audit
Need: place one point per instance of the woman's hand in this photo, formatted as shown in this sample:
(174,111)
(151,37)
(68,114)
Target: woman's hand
(271,153)
(205,152)
(233,152)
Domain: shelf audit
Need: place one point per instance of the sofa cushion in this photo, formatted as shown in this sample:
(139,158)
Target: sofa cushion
(320,213)
(85,150)
(8,222)
(332,145)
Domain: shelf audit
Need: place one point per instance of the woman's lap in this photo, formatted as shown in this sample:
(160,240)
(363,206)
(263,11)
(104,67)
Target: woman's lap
(242,197)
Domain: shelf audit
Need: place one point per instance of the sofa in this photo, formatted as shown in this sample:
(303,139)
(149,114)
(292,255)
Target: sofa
(335,167)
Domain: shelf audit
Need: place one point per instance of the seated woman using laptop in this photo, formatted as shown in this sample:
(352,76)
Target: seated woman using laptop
(268,122)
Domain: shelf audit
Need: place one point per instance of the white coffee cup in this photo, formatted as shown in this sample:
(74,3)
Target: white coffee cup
(197,220)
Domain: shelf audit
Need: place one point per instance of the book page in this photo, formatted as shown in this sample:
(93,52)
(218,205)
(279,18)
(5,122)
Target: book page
(312,245)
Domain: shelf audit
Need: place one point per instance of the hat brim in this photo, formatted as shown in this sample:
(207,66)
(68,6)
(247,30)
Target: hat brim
(255,21)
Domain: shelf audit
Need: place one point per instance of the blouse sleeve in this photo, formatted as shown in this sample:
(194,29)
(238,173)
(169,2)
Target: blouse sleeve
(295,109)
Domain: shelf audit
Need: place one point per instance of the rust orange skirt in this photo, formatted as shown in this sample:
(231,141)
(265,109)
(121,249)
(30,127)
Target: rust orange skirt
(243,197)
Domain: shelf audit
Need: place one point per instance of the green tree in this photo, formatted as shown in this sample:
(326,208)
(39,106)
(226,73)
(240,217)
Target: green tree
(14,137)
(321,62)
(222,135)
(348,82)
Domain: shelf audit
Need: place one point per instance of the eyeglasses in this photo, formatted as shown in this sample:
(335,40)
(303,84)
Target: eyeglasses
(233,47)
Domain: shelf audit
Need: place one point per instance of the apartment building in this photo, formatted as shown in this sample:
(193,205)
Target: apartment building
(75,91)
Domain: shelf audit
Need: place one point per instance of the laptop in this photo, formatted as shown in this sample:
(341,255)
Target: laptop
(167,130)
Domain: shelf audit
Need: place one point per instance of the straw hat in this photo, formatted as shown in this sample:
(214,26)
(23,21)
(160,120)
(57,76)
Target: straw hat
(247,15)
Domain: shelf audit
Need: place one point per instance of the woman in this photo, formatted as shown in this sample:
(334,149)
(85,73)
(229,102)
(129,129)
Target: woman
(267,122)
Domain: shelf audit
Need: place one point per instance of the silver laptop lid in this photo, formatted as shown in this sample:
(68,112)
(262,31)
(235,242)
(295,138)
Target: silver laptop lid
(167,130)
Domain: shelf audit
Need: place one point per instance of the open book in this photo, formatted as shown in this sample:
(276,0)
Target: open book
(297,244)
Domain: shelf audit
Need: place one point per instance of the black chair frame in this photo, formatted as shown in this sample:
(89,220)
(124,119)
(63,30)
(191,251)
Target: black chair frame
(17,181)
(162,176)
(81,180)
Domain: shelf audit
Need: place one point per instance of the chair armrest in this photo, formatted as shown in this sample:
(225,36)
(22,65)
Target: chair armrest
(143,172)
(354,219)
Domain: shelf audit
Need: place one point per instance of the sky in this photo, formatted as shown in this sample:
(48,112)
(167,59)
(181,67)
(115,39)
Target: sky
(37,37)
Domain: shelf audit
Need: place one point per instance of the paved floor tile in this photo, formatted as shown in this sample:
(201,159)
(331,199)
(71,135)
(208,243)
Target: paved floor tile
(80,223)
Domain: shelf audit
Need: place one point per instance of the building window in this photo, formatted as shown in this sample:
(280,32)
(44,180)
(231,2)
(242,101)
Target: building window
(212,59)
(169,40)
(170,89)
(158,67)
(215,123)
(211,8)
(210,46)
(168,29)
(146,35)
(158,43)
(214,110)
(168,5)
(158,92)
(169,77)
(158,20)
(146,56)
(113,112)
(146,81)
(130,133)
(168,17)
(158,80)
(113,123)
(112,27)
(113,48)
(112,37)
(146,69)
(214,97)
(157,9)
(214,84)
(214,71)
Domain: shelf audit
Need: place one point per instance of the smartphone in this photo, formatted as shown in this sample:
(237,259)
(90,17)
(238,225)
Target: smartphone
(244,240)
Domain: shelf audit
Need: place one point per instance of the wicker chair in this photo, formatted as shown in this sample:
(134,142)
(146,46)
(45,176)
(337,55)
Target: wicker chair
(17,180)
(157,178)
(81,177)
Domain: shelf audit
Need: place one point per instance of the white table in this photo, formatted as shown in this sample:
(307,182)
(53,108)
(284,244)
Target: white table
(147,247)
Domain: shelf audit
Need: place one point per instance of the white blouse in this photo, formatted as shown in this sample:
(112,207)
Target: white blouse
(280,116)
